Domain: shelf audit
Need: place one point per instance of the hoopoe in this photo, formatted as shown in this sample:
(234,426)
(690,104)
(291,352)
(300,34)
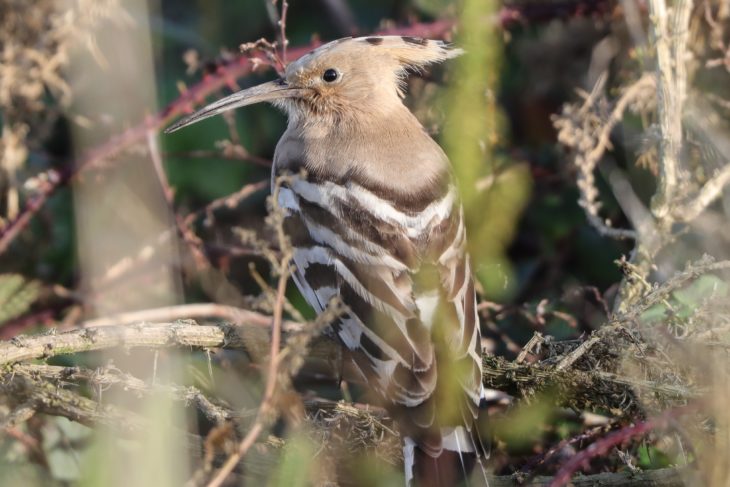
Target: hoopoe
(375,220)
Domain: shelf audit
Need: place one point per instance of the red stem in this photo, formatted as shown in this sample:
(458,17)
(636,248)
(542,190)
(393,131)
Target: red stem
(225,76)
(604,445)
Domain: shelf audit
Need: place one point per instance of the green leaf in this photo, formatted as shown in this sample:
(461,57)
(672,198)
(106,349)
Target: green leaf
(686,301)
(16,295)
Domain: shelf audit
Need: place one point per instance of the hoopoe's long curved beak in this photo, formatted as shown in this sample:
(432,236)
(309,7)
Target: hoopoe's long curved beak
(273,90)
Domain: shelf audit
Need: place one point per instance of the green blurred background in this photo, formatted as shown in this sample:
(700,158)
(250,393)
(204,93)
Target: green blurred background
(552,252)
(534,252)
(531,69)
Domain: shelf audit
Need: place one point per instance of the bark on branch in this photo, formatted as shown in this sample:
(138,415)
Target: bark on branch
(580,389)
(671,37)
(25,384)
(160,335)
(667,477)
(109,376)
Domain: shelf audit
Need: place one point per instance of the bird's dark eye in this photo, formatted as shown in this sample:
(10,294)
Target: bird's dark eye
(330,75)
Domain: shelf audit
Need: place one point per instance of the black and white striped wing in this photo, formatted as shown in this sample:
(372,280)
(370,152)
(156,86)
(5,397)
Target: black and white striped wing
(403,274)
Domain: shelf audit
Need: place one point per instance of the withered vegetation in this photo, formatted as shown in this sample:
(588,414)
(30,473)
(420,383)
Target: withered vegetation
(626,383)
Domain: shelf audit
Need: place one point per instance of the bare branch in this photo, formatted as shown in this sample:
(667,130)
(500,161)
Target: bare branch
(642,302)
(159,335)
(638,215)
(267,408)
(707,195)
(282,30)
(108,376)
(20,414)
(604,445)
(668,477)
(582,388)
(227,151)
(232,314)
(660,293)
(590,137)
(671,82)
(19,384)
(46,398)
(239,67)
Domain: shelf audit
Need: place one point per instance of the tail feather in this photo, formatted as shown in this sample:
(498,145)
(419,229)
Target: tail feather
(453,465)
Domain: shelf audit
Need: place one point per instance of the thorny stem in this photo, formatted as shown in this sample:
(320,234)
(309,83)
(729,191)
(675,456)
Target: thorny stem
(191,311)
(604,445)
(127,265)
(547,457)
(671,87)
(148,336)
(642,301)
(267,404)
(231,152)
(224,76)
(268,400)
(13,228)
(59,401)
(709,192)
(109,375)
(158,165)
(192,241)
(282,26)
(671,48)
(586,161)
(229,201)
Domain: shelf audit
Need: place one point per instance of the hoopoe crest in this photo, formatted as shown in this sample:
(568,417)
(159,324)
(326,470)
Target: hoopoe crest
(374,220)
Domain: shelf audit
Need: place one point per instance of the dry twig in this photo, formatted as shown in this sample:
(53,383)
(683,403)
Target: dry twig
(671,84)
(604,445)
(195,95)
(589,136)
